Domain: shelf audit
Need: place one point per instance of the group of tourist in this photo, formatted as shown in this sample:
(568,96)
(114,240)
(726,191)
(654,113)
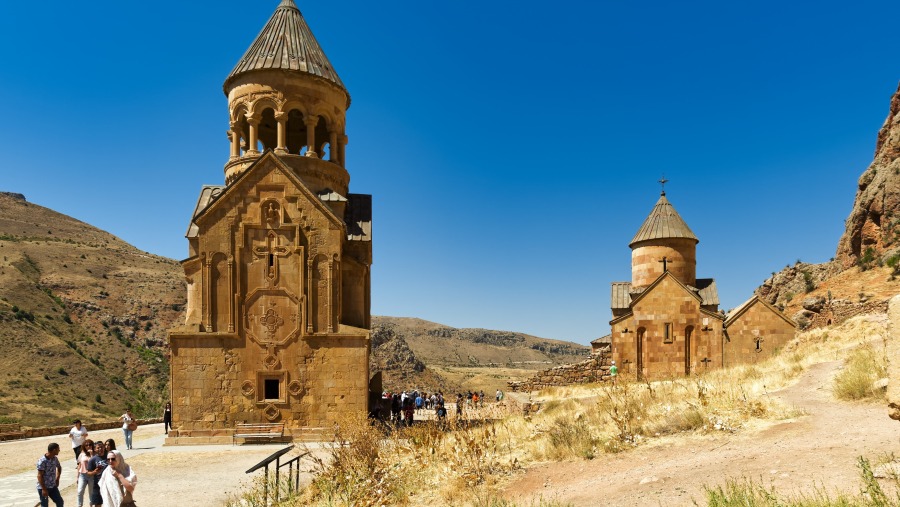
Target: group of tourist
(404,405)
(102,471)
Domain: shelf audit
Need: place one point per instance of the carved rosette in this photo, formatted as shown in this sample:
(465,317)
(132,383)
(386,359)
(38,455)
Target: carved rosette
(295,388)
(271,412)
(248,389)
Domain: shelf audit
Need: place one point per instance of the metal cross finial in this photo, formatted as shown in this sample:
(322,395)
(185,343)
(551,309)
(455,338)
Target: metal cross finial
(663,182)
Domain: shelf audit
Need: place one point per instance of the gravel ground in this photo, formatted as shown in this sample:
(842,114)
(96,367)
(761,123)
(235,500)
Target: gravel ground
(201,475)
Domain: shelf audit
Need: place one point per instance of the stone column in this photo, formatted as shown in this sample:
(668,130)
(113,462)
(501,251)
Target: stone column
(253,122)
(231,290)
(330,295)
(343,150)
(207,291)
(282,119)
(311,122)
(235,135)
(309,289)
(333,149)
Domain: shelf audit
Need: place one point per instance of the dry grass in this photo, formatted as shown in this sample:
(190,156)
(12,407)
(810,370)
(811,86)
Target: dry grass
(467,462)
(750,493)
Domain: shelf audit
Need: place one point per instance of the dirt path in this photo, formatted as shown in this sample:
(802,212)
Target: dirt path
(818,449)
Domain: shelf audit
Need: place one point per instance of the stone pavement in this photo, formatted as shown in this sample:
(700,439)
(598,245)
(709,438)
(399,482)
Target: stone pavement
(164,473)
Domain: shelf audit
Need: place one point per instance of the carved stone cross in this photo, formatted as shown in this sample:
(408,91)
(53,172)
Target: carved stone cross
(665,264)
(271,321)
(271,252)
(706,362)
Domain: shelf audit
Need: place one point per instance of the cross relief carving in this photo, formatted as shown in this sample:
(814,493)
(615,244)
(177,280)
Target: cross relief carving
(271,321)
(272,252)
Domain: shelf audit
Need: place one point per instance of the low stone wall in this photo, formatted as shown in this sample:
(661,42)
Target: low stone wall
(893,354)
(817,312)
(64,430)
(595,369)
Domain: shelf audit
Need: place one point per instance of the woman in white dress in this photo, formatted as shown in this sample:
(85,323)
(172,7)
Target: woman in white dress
(117,482)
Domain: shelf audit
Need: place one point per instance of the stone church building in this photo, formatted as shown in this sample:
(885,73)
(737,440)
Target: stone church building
(667,322)
(278,275)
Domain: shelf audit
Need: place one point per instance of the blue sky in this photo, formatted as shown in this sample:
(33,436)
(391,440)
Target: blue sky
(512,148)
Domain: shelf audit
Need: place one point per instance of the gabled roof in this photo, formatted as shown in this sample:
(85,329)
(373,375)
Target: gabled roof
(659,280)
(746,305)
(620,297)
(287,43)
(603,340)
(269,157)
(208,194)
(707,290)
(663,222)
(329,195)
(359,217)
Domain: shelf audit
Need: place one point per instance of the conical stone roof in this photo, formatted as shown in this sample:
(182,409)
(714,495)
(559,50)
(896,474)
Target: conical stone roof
(286,42)
(663,222)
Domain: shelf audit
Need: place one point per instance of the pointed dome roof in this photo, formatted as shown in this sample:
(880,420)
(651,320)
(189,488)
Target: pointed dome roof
(286,42)
(663,222)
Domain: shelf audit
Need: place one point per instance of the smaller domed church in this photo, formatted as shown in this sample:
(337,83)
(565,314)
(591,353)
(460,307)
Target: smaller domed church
(667,322)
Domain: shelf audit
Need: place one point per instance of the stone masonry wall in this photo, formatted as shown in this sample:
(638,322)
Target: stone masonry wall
(595,369)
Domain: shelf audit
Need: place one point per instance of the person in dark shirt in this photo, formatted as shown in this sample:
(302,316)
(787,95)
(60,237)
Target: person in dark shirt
(95,468)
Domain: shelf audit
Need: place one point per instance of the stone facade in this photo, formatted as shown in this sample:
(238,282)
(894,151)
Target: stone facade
(666,321)
(753,333)
(277,317)
(595,369)
(667,333)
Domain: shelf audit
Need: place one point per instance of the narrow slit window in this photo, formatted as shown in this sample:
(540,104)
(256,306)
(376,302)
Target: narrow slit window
(667,336)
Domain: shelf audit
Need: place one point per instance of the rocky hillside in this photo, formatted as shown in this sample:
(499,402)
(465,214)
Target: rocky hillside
(83,319)
(873,227)
(865,272)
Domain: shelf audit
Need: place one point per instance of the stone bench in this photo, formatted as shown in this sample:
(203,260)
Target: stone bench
(11,432)
(269,431)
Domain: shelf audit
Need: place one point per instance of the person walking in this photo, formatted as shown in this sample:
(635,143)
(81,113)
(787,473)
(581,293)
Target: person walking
(95,467)
(48,472)
(85,481)
(77,435)
(167,418)
(613,372)
(128,426)
(117,482)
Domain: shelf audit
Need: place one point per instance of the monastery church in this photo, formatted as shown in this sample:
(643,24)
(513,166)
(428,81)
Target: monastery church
(667,322)
(278,279)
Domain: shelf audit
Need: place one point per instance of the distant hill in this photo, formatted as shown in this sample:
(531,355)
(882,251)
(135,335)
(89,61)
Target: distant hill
(83,319)
(452,359)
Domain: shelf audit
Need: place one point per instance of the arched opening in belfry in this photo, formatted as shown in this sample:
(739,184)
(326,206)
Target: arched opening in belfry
(243,130)
(322,137)
(295,132)
(268,130)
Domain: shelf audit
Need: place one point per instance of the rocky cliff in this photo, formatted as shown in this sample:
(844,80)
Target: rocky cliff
(865,272)
(873,228)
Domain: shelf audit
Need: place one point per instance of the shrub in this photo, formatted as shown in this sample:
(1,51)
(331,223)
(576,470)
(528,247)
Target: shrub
(861,369)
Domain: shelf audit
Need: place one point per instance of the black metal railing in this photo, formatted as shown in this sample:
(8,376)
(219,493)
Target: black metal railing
(293,477)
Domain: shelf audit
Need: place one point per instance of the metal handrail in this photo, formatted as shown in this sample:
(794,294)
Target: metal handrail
(292,472)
